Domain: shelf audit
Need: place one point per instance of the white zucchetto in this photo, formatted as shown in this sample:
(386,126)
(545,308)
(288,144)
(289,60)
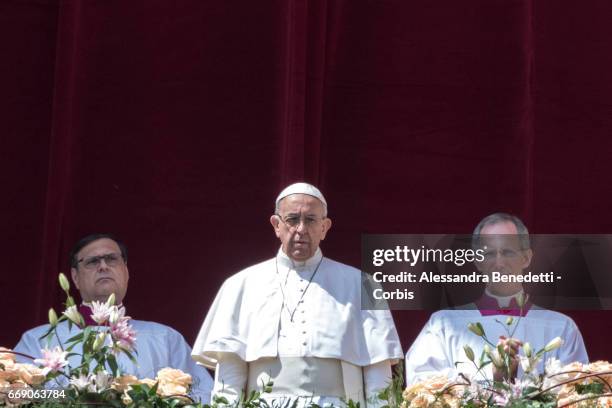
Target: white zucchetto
(301,188)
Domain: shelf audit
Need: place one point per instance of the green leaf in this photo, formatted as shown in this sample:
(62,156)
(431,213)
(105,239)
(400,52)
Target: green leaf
(78,337)
(48,332)
(112,363)
(153,390)
(592,388)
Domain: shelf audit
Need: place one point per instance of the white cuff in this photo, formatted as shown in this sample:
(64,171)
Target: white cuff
(376,377)
(230,377)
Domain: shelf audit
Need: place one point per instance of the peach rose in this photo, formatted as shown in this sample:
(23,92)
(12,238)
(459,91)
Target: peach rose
(5,355)
(9,374)
(123,382)
(421,401)
(173,376)
(168,389)
(423,394)
(148,382)
(601,367)
(30,374)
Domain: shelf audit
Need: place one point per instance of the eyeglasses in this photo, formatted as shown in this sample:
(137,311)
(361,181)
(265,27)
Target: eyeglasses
(293,221)
(93,262)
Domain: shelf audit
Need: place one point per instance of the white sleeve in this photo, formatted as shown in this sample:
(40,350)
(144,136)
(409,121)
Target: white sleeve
(29,345)
(376,377)
(230,377)
(428,355)
(573,349)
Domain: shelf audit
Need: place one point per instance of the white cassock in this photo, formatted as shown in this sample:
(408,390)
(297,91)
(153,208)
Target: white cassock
(440,343)
(158,346)
(301,325)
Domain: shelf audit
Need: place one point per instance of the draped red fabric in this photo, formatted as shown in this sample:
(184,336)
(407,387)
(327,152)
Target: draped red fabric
(175,124)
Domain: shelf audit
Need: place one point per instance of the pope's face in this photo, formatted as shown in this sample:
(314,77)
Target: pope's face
(97,278)
(300,225)
(503,251)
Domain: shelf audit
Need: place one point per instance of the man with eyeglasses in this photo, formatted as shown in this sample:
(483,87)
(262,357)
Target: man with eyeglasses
(99,268)
(296,320)
(507,250)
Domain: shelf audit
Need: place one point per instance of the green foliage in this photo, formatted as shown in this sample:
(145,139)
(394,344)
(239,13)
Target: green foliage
(592,388)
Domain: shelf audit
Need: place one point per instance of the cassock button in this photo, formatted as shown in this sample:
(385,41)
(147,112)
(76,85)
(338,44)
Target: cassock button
(303,321)
(304,343)
(303,332)
(301,311)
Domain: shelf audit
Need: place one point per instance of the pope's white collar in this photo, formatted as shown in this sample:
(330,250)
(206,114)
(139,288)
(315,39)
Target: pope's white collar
(503,301)
(311,262)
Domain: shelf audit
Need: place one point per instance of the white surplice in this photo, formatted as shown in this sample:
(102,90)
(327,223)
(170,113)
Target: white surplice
(440,344)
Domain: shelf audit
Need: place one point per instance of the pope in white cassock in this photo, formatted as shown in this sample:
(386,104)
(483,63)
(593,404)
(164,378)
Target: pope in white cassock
(99,268)
(440,343)
(296,319)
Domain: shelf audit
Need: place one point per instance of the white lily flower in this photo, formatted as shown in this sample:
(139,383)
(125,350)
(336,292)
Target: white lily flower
(52,360)
(83,383)
(102,380)
(72,313)
(100,312)
(553,366)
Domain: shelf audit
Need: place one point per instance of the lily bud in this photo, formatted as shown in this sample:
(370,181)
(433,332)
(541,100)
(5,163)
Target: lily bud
(114,316)
(99,341)
(64,284)
(509,320)
(486,349)
(476,328)
(528,350)
(469,352)
(268,387)
(111,300)
(496,359)
(553,344)
(52,317)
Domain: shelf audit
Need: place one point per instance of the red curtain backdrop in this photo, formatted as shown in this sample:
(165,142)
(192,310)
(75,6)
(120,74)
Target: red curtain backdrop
(175,124)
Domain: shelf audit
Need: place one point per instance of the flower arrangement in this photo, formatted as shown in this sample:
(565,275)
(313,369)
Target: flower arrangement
(96,380)
(577,385)
(574,385)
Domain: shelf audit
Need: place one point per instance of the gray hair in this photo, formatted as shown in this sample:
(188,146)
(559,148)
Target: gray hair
(499,218)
